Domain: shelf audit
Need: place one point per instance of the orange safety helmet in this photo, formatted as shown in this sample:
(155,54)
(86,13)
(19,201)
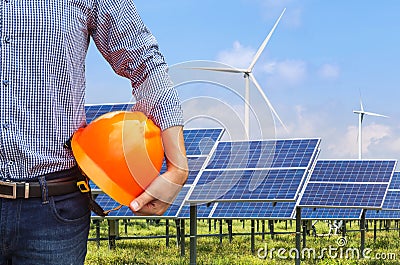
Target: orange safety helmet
(121,152)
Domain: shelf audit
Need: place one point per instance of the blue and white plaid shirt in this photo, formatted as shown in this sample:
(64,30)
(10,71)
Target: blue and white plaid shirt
(43,50)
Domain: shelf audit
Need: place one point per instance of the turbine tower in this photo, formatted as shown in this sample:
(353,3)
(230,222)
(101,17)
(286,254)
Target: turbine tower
(248,75)
(361,114)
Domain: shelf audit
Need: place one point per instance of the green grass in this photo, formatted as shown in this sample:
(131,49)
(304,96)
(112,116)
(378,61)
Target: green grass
(210,251)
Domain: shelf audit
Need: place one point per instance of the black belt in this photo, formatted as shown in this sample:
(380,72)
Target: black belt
(55,187)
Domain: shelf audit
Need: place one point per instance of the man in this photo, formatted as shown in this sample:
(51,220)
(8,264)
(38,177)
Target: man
(44,219)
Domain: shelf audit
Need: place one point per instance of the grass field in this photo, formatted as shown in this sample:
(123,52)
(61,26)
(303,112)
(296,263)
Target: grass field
(322,249)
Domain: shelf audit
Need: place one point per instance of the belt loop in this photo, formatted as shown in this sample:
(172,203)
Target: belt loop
(43,188)
(26,193)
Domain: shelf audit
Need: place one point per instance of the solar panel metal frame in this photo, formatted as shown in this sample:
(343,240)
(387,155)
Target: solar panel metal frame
(311,160)
(341,206)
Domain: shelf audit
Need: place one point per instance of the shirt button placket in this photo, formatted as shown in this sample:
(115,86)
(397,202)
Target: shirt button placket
(5,112)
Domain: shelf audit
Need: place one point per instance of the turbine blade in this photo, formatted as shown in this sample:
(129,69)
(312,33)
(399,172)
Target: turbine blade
(265,42)
(253,79)
(218,69)
(375,114)
(361,104)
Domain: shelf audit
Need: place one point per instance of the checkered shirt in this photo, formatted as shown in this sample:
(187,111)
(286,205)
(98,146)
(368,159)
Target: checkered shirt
(43,49)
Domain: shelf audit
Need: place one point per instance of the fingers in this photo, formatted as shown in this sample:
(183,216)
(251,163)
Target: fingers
(142,200)
(157,198)
(143,207)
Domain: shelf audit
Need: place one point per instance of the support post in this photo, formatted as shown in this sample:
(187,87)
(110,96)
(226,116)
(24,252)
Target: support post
(252,237)
(167,233)
(97,223)
(230,230)
(362,229)
(271,228)
(193,234)
(182,240)
(304,234)
(263,230)
(298,235)
(113,233)
(178,231)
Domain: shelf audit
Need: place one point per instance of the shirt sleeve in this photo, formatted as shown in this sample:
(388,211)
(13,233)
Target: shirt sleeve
(132,51)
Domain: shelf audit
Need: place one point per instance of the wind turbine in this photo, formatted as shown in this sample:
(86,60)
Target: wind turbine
(248,75)
(361,114)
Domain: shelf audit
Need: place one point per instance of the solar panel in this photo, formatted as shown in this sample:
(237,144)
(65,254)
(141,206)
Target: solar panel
(231,185)
(331,214)
(203,211)
(264,170)
(200,141)
(94,111)
(348,183)
(392,199)
(395,183)
(195,164)
(383,215)
(263,154)
(254,210)
(198,144)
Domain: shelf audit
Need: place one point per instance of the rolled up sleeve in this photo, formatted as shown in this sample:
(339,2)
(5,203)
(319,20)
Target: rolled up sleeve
(133,52)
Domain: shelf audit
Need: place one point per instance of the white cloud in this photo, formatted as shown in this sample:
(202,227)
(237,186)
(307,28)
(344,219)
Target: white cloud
(290,72)
(239,56)
(339,141)
(329,71)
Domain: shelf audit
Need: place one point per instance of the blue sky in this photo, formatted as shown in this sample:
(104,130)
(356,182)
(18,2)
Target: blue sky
(322,56)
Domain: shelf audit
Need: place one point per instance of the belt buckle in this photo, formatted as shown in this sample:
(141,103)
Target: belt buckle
(13,185)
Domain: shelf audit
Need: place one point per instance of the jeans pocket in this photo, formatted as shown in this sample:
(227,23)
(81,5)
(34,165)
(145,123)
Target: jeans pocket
(73,207)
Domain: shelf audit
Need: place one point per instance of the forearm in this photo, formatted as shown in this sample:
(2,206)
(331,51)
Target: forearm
(175,153)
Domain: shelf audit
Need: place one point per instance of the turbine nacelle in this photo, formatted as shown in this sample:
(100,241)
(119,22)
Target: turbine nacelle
(361,113)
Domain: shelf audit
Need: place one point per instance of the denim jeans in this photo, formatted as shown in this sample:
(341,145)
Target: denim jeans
(44,231)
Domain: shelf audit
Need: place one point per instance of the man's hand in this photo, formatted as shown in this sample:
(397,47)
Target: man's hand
(163,190)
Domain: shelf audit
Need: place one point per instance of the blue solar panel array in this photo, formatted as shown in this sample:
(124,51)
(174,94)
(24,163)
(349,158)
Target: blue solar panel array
(266,170)
(264,154)
(204,211)
(392,200)
(331,214)
(255,210)
(353,171)
(395,183)
(348,183)
(262,179)
(274,185)
(383,215)
(200,141)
